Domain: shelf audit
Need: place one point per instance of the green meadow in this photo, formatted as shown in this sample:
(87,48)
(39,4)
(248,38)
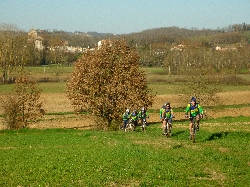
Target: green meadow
(71,157)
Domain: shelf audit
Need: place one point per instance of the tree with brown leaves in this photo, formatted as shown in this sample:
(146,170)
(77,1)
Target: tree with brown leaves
(106,81)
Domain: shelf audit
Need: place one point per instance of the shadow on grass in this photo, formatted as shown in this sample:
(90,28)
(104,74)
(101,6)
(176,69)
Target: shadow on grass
(221,135)
(217,135)
(151,123)
(182,120)
(178,133)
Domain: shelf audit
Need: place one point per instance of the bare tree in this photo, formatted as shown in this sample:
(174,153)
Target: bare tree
(14,52)
(8,27)
(108,80)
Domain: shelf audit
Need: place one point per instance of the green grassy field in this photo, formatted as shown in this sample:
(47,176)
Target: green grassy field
(70,157)
(158,81)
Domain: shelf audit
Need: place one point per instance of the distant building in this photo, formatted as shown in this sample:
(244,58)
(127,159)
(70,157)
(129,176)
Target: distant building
(229,48)
(104,42)
(178,48)
(32,36)
(38,41)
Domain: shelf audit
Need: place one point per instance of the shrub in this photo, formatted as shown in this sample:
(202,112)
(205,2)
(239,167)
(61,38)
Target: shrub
(23,105)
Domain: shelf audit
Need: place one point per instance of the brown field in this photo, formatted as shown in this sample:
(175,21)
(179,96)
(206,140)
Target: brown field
(55,102)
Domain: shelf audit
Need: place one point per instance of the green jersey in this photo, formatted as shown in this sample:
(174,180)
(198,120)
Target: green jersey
(126,116)
(162,110)
(194,110)
(166,113)
(143,114)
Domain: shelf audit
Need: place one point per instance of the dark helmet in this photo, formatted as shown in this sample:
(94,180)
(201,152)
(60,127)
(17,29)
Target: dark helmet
(193,99)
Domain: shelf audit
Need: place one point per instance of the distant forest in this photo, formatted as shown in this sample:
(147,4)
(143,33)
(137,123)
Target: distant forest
(231,34)
(171,35)
(172,47)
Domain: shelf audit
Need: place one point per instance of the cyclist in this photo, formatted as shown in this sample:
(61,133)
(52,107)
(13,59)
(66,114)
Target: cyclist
(134,117)
(195,111)
(125,116)
(167,115)
(143,114)
(162,110)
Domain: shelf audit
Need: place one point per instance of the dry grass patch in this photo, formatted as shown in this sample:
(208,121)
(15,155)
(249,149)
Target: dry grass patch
(56,102)
(59,103)
(65,121)
(234,98)
(244,111)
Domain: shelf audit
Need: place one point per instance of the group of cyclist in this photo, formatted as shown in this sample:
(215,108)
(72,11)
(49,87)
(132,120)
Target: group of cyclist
(135,116)
(193,110)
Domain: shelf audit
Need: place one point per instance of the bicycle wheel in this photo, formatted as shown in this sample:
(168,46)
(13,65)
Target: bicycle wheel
(130,127)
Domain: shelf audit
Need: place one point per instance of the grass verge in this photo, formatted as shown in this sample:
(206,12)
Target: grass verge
(70,157)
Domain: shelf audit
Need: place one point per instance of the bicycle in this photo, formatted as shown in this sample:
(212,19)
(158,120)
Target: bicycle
(130,126)
(167,128)
(193,128)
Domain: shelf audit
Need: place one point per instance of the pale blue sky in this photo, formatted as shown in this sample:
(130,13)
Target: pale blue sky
(123,16)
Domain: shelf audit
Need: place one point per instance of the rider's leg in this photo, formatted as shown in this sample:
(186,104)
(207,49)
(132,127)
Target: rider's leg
(146,121)
(170,122)
(190,129)
(163,126)
(198,122)
(169,125)
(125,124)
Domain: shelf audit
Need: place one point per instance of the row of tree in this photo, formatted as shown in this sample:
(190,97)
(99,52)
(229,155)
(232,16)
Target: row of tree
(194,56)
(153,45)
(231,34)
(17,51)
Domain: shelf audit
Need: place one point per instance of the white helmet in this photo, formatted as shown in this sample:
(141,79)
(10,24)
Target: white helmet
(127,110)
